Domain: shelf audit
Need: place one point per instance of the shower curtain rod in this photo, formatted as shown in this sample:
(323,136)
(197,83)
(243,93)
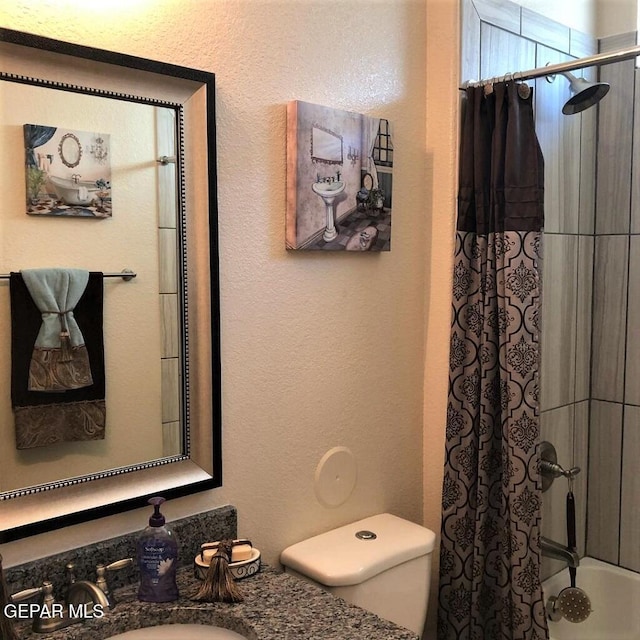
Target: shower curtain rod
(551,69)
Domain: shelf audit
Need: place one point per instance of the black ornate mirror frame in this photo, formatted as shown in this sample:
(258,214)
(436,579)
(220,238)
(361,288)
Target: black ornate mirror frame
(63,503)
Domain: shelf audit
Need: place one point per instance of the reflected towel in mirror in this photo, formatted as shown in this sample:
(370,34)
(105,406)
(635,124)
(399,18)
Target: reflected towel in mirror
(59,360)
(43,418)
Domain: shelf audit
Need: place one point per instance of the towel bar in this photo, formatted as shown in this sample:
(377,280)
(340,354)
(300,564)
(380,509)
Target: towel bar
(125,274)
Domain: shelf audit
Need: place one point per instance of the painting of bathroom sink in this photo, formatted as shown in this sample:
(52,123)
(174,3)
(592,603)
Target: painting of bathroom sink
(181,631)
(331,154)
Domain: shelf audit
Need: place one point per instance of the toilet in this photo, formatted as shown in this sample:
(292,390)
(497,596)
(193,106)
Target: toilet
(381,563)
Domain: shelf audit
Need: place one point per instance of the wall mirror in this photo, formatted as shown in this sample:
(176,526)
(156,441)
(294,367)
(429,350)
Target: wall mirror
(148,128)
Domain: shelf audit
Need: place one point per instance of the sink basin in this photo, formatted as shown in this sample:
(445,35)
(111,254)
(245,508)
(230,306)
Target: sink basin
(179,632)
(328,189)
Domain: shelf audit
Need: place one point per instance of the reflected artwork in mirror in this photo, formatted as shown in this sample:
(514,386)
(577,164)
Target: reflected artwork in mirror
(50,151)
(139,136)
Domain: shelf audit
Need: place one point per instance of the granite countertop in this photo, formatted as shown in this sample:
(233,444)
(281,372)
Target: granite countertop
(276,606)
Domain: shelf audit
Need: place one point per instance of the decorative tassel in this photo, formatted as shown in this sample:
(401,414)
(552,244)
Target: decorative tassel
(7,631)
(66,355)
(219,585)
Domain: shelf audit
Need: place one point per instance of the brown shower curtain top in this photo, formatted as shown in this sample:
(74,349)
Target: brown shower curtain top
(501,183)
(489,555)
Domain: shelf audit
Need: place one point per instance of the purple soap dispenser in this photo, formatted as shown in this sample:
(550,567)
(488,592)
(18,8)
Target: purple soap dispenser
(157,559)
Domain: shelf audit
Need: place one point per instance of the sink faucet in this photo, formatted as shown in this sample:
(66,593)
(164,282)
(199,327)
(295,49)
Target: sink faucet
(553,549)
(84,600)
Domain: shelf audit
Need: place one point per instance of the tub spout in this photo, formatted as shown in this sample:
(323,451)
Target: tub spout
(553,549)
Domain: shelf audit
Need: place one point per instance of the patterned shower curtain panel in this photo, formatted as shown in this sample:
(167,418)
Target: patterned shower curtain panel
(491,504)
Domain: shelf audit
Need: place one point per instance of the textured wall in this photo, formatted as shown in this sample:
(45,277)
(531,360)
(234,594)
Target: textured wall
(317,350)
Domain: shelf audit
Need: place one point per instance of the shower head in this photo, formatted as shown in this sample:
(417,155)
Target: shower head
(584,94)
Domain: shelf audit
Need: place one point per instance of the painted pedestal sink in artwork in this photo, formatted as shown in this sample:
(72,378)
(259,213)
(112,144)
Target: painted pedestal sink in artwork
(181,631)
(328,191)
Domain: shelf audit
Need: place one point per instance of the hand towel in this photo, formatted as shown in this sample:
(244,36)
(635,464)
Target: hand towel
(44,418)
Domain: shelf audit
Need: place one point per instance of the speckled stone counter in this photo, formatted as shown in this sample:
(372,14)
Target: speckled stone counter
(276,606)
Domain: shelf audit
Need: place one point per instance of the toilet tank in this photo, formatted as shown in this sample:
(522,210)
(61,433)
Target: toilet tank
(381,563)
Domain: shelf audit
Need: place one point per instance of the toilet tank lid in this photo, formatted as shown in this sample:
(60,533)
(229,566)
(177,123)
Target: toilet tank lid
(340,558)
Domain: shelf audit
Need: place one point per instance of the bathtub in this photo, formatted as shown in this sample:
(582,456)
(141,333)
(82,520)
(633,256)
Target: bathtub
(615,603)
(74,193)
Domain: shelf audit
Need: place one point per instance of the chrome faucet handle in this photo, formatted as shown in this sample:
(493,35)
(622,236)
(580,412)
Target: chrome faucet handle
(101,577)
(555,470)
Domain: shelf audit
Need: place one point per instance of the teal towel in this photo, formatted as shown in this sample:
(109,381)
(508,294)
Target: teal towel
(56,293)
(60,360)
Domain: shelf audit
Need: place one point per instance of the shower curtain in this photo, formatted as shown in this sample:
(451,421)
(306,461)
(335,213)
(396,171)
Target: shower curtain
(490,550)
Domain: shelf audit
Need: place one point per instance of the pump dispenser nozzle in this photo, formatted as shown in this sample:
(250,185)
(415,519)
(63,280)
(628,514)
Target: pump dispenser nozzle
(157,519)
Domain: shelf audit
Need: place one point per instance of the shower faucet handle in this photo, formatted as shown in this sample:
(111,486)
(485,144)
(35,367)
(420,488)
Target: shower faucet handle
(555,470)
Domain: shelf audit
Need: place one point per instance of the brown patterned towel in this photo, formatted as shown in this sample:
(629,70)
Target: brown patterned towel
(73,405)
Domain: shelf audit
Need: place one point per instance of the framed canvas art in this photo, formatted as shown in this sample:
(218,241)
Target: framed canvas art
(339,180)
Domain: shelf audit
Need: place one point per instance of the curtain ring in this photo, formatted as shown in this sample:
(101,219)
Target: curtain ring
(551,77)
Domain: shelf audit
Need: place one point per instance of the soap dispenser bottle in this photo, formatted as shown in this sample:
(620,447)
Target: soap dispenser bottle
(157,559)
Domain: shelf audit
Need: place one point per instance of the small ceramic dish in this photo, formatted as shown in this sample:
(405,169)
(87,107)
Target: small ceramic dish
(239,570)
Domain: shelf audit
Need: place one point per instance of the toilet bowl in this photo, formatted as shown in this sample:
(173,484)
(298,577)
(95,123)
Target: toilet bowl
(381,563)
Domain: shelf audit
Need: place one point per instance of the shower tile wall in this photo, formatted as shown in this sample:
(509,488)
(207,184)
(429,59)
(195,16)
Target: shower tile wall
(613,527)
(501,37)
